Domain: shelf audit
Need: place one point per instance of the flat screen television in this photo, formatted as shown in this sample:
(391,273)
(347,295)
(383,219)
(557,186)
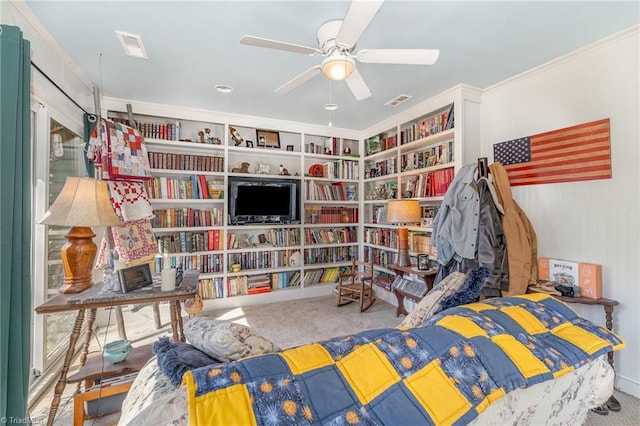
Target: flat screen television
(263,200)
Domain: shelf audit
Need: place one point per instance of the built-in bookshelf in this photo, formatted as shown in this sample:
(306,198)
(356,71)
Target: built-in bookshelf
(414,156)
(345,178)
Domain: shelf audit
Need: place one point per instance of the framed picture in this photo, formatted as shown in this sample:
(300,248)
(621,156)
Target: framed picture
(249,144)
(268,139)
(135,277)
(289,147)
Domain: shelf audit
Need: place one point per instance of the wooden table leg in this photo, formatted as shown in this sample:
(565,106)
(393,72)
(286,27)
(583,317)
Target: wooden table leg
(122,332)
(608,313)
(62,381)
(87,339)
(400,310)
(156,315)
(180,325)
(174,320)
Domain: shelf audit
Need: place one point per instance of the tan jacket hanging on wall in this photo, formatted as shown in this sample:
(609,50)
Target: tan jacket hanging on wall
(522,244)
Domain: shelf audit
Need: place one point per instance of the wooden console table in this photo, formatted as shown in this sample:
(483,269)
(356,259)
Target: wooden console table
(607,304)
(428,276)
(92,299)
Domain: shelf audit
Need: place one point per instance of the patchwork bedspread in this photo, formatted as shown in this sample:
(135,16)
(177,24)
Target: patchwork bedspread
(445,372)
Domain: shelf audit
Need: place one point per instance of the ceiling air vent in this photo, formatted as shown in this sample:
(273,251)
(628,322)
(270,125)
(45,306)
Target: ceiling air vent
(398,100)
(132,45)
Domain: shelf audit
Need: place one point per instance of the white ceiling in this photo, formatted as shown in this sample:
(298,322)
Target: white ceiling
(193,46)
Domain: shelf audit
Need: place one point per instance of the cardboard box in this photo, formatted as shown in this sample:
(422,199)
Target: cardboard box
(586,276)
(543,268)
(590,280)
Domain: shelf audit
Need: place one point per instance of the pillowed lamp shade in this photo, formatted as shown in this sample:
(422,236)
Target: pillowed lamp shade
(82,203)
(401,212)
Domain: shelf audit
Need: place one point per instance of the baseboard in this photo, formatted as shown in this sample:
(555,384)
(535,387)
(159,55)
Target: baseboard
(627,385)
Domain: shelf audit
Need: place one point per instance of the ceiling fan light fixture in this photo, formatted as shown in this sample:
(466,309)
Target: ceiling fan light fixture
(338,67)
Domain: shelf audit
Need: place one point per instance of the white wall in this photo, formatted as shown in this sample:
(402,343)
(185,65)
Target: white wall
(590,221)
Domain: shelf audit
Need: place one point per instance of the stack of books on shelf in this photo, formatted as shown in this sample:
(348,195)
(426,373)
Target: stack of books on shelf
(416,288)
(430,126)
(165,131)
(330,236)
(237,285)
(187,217)
(190,242)
(319,191)
(420,243)
(260,283)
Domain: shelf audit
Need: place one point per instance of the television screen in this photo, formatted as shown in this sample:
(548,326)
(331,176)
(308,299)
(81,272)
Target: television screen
(261,200)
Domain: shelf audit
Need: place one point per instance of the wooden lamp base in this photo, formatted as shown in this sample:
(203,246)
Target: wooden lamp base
(78,255)
(403,248)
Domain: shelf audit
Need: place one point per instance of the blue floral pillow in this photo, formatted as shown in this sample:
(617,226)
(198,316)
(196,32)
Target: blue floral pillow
(468,293)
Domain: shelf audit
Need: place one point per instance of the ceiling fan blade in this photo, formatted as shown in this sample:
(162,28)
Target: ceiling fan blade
(357,85)
(298,80)
(399,56)
(280,45)
(358,16)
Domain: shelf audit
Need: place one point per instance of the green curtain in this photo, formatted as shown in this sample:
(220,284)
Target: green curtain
(15,224)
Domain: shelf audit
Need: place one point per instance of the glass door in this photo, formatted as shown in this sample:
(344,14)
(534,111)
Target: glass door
(58,153)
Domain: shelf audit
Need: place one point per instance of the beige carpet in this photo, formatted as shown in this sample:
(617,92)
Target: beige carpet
(298,322)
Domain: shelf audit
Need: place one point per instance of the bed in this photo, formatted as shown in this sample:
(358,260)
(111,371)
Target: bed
(520,360)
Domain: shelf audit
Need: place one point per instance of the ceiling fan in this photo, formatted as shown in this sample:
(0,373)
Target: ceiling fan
(337,40)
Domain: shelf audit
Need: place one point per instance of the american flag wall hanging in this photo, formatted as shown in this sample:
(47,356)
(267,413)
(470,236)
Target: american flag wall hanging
(581,152)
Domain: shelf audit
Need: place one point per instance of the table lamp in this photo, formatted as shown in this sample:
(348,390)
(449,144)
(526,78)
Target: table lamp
(82,203)
(402,212)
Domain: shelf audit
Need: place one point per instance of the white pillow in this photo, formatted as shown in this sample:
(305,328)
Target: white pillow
(430,304)
(224,340)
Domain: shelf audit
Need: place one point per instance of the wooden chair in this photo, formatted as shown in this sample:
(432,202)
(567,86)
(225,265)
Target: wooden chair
(356,285)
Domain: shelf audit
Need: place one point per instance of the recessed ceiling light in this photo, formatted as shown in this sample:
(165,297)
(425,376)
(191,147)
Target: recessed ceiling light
(330,107)
(132,45)
(223,88)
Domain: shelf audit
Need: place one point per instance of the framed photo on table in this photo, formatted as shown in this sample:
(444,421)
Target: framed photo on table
(268,139)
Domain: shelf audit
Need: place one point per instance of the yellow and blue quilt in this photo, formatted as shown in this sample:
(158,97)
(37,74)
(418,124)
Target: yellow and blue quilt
(445,372)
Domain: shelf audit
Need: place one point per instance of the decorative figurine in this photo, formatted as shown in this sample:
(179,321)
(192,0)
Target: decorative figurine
(244,168)
(284,171)
(346,150)
(263,168)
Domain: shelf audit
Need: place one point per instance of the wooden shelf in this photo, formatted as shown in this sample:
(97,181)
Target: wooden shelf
(96,367)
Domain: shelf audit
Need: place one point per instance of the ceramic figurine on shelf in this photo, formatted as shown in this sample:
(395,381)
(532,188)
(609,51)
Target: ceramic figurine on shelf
(244,168)
(284,171)
(263,168)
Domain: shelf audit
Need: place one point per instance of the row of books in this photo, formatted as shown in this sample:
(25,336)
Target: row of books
(385,167)
(431,184)
(330,214)
(381,237)
(166,131)
(275,237)
(420,242)
(262,259)
(384,280)
(318,255)
(441,154)
(190,241)
(325,191)
(211,288)
(430,126)
(205,263)
(340,169)
(380,257)
(331,236)
(187,217)
(380,143)
(260,283)
(195,187)
(198,163)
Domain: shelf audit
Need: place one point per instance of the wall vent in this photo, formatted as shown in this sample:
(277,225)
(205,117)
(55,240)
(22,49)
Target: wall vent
(132,45)
(398,100)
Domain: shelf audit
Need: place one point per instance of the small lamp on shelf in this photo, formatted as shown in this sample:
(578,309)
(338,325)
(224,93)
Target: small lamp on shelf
(82,203)
(403,212)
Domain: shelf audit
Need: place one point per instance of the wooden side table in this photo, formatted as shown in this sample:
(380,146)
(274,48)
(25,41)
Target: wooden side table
(97,368)
(428,276)
(92,299)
